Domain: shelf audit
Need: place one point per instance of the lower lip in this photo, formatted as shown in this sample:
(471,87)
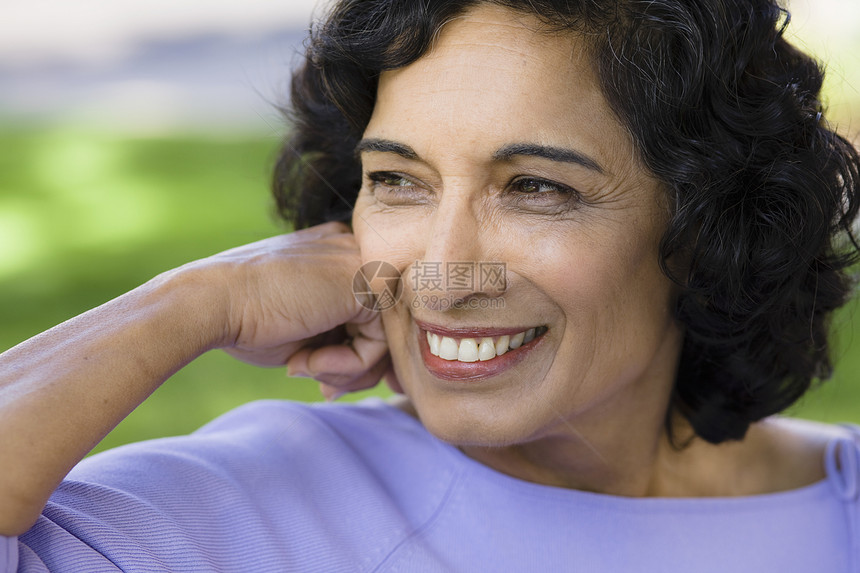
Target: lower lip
(471,371)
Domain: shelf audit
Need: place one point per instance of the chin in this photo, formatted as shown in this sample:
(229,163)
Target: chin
(472,421)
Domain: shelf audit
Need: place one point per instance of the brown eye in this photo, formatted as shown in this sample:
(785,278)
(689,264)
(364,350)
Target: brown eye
(396,189)
(389,179)
(542,195)
(533,186)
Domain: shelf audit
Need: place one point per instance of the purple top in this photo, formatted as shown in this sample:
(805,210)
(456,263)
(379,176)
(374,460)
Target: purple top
(280,486)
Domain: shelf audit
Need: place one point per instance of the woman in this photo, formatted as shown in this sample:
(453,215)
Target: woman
(673,220)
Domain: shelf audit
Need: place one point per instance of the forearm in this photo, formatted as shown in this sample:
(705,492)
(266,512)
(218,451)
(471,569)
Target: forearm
(265,303)
(61,392)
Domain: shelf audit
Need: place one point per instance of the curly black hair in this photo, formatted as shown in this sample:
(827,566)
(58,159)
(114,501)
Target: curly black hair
(723,110)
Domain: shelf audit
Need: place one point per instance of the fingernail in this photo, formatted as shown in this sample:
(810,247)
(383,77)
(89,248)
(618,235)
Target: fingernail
(297,374)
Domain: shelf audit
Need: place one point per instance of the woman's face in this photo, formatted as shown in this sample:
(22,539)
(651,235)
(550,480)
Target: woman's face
(496,155)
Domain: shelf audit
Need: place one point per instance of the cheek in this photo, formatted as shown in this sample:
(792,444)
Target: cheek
(390,237)
(383,235)
(568,267)
(608,288)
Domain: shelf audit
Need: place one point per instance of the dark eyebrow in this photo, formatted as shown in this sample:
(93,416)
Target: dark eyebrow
(385,146)
(504,154)
(552,153)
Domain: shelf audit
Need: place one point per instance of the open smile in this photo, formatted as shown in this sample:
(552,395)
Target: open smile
(475,353)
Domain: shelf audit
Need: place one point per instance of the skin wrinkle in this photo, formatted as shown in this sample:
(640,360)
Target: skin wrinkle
(512,154)
(588,409)
(610,169)
(465,213)
(717,360)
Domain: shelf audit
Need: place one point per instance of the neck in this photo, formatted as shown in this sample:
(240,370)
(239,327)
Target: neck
(639,459)
(617,446)
(619,460)
(773,457)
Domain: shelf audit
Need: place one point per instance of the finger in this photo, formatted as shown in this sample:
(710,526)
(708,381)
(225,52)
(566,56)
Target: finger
(338,365)
(297,364)
(367,326)
(390,377)
(372,377)
(359,355)
(333,387)
(354,382)
(331,393)
(297,361)
(357,380)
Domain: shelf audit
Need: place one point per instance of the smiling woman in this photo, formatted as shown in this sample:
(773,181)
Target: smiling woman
(557,174)
(665,223)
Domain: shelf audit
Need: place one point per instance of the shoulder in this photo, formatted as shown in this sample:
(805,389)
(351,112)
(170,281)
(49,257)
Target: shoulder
(277,437)
(253,487)
(793,453)
(810,431)
(372,429)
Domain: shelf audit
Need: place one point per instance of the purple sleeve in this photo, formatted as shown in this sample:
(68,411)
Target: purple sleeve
(269,487)
(8,554)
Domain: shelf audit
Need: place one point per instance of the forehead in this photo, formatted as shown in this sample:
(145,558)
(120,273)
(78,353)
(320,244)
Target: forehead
(493,76)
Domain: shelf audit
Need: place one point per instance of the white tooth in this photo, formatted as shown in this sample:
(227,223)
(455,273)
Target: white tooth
(502,345)
(468,351)
(530,335)
(433,341)
(517,340)
(487,350)
(448,348)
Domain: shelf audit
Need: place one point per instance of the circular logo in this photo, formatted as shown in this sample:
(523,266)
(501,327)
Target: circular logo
(376,285)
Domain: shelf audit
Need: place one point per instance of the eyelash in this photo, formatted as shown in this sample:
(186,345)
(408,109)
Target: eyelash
(397,182)
(558,188)
(385,178)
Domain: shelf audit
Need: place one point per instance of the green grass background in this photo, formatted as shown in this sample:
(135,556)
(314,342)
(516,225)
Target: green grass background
(86,216)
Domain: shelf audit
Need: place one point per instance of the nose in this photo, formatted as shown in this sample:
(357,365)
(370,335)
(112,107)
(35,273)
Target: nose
(457,265)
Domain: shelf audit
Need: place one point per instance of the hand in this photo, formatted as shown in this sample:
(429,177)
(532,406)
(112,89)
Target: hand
(291,302)
(284,300)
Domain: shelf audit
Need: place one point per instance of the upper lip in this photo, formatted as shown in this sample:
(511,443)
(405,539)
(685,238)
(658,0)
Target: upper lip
(471,331)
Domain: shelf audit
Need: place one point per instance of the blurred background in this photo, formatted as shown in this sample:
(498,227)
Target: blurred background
(136,135)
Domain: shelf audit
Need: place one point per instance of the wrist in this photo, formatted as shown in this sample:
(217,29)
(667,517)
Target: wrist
(193,300)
